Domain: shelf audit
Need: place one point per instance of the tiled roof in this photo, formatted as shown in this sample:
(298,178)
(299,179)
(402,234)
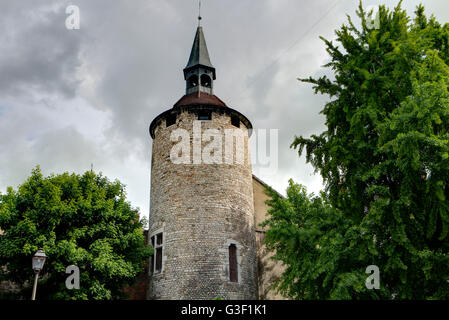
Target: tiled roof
(199,54)
(202,99)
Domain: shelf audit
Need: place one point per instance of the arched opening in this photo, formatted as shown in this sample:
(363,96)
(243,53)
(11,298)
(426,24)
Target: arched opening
(193,81)
(206,81)
(233,266)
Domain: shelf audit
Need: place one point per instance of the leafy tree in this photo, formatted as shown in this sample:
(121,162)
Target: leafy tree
(82,220)
(305,232)
(384,159)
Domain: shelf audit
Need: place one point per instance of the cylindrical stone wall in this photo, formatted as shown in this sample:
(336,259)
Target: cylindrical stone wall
(201,209)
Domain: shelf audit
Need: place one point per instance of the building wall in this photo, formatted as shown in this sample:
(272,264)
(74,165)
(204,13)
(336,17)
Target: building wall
(268,269)
(6,287)
(139,290)
(201,209)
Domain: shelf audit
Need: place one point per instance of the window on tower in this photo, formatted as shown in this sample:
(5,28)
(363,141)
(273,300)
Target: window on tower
(205,81)
(171,120)
(193,81)
(204,115)
(233,267)
(157,242)
(235,121)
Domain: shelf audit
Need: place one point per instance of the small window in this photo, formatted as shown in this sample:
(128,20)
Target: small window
(171,120)
(193,81)
(235,121)
(205,81)
(157,242)
(233,268)
(159,239)
(204,115)
(158,266)
(152,257)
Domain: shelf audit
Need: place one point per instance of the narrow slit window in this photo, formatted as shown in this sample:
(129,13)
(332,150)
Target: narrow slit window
(204,115)
(233,268)
(152,257)
(158,267)
(157,242)
(171,120)
(235,121)
(159,239)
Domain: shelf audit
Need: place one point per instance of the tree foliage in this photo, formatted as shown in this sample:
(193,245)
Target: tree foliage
(384,159)
(82,220)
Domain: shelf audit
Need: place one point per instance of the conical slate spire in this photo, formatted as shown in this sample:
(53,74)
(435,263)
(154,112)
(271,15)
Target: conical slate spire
(199,56)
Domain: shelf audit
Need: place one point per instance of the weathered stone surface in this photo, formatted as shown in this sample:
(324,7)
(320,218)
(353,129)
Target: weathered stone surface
(201,209)
(7,287)
(269,270)
(139,290)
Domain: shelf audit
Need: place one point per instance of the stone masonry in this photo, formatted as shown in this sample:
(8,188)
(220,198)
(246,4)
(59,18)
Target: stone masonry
(201,209)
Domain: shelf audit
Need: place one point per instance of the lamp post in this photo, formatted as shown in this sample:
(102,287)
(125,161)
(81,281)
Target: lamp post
(38,263)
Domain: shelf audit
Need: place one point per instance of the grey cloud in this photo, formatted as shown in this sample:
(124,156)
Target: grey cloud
(126,64)
(37,52)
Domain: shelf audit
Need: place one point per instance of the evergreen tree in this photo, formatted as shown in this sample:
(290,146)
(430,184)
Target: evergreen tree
(384,159)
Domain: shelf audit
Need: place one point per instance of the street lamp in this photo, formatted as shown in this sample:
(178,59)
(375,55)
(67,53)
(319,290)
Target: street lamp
(38,263)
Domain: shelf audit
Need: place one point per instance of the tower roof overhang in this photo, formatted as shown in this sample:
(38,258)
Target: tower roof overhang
(199,99)
(195,107)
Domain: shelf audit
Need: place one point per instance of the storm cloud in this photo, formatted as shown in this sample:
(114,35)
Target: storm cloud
(72,98)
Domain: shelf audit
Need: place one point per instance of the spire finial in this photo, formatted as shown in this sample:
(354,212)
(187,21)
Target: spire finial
(199,14)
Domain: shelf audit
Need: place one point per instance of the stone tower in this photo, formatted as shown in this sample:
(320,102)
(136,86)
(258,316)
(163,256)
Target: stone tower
(201,223)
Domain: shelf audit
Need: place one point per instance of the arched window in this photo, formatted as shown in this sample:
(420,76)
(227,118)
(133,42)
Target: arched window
(193,81)
(205,81)
(233,267)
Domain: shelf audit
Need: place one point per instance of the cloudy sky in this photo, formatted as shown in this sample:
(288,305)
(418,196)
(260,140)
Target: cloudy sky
(72,98)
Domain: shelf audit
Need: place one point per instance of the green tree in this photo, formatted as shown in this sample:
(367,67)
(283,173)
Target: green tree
(306,232)
(384,159)
(82,220)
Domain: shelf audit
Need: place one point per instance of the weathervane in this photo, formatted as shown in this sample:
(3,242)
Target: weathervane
(199,14)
